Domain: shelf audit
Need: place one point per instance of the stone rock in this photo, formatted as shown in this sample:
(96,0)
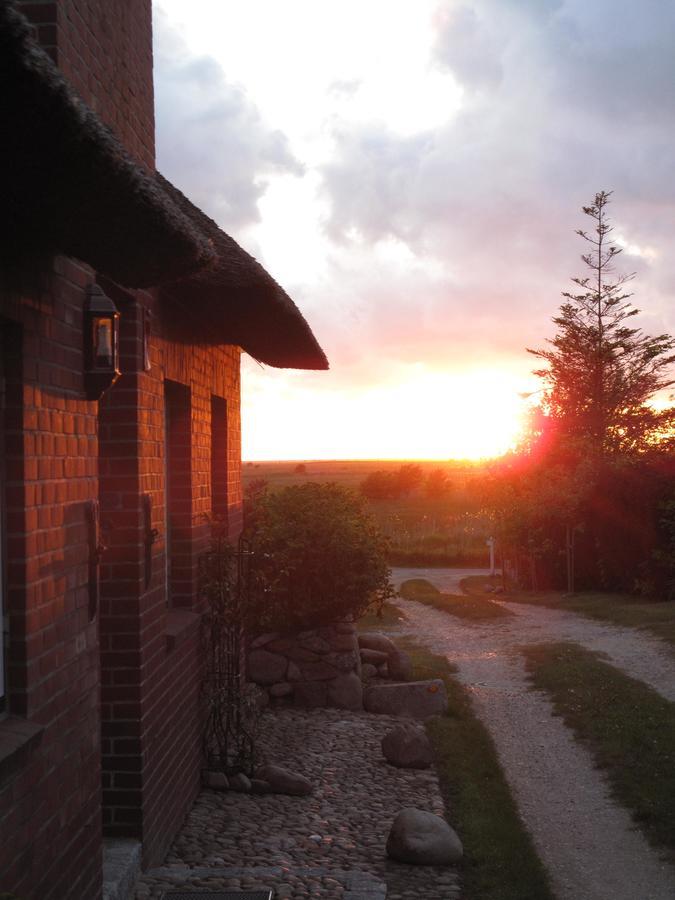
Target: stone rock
(294,673)
(217,781)
(399,666)
(407,747)
(263,639)
(283,781)
(345,628)
(310,694)
(344,642)
(374,657)
(258,696)
(318,671)
(265,667)
(240,782)
(346,692)
(259,786)
(376,641)
(282,689)
(345,662)
(301,654)
(423,839)
(315,643)
(383,670)
(368,671)
(416,699)
(280,645)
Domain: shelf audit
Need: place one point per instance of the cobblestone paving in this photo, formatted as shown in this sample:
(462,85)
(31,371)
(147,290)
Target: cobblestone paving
(330,845)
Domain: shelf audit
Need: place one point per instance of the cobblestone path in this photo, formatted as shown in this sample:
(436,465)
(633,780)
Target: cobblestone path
(328,846)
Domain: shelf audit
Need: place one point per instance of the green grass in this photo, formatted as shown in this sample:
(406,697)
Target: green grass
(500,862)
(620,609)
(627,726)
(390,616)
(476,584)
(474,608)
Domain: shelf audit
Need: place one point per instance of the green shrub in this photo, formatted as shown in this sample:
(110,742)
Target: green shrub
(318,557)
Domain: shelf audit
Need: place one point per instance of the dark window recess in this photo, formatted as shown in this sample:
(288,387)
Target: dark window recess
(219,469)
(12,511)
(4,637)
(178,490)
(150,535)
(95,551)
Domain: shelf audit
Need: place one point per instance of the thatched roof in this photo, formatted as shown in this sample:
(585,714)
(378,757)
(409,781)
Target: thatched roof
(69,186)
(239,302)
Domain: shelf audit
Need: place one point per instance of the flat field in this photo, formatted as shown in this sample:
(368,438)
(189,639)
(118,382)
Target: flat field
(422,530)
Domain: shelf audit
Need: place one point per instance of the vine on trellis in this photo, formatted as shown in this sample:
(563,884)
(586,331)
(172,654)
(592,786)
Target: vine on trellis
(232,712)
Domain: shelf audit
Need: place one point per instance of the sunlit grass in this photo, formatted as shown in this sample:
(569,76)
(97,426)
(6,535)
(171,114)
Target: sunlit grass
(628,727)
(474,608)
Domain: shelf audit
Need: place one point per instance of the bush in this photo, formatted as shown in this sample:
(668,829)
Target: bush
(318,557)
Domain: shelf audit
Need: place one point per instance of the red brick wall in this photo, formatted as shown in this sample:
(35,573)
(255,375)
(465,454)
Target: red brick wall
(104,48)
(49,797)
(151,650)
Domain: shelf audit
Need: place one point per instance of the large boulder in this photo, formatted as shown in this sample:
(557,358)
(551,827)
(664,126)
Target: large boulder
(318,671)
(415,699)
(345,662)
(407,747)
(263,639)
(346,692)
(399,666)
(423,839)
(374,657)
(283,781)
(368,671)
(310,694)
(313,642)
(215,780)
(265,667)
(344,642)
(282,689)
(376,641)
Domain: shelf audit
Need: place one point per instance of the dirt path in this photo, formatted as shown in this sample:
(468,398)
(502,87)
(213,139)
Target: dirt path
(587,842)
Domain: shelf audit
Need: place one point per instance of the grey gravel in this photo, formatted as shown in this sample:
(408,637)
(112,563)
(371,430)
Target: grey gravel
(588,842)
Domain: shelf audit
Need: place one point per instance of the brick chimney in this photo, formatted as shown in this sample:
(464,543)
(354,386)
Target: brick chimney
(104,49)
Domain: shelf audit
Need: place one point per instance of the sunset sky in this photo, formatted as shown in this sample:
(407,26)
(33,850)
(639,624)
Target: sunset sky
(412,172)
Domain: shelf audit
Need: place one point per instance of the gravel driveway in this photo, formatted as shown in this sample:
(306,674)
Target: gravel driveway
(587,842)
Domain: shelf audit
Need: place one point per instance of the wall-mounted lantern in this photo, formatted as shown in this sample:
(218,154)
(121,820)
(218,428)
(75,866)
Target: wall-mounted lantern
(101,343)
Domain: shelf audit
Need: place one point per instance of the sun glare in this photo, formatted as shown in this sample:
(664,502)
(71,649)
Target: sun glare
(468,415)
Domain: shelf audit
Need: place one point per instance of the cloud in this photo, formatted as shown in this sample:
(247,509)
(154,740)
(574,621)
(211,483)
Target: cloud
(211,140)
(561,99)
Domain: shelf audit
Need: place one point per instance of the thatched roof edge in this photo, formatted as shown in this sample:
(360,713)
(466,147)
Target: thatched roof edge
(245,305)
(68,184)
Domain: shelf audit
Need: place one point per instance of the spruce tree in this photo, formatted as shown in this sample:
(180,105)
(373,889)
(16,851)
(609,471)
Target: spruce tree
(601,373)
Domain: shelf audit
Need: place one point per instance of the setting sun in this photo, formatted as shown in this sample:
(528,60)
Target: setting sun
(428,415)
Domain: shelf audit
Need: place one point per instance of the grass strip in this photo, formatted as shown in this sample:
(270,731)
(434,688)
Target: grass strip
(475,607)
(627,726)
(657,617)
(500,862)
(388,617)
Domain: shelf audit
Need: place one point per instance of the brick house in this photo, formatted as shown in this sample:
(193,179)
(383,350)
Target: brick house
(106,490)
